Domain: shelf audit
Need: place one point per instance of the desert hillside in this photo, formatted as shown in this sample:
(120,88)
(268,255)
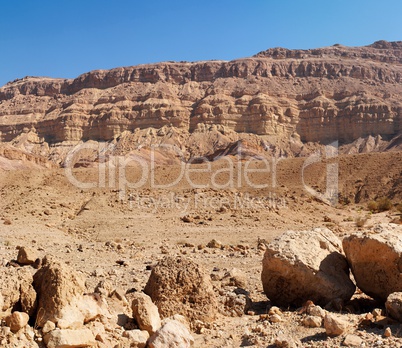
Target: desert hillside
(250,203)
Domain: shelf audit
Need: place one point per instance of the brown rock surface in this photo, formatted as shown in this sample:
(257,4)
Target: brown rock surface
(394,305)
(26,256)
(17,321)
(376,263)
(58,287)
(306,265)
(180,286)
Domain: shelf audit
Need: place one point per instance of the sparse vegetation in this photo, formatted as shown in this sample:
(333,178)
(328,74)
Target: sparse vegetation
(379,205)
(384,204)
(361,221)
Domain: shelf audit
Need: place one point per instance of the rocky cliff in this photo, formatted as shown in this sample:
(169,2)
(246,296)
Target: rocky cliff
(278,99)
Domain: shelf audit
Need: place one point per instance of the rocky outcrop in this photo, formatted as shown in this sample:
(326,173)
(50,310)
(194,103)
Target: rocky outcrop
(306,265)
(282,96)
(375,260)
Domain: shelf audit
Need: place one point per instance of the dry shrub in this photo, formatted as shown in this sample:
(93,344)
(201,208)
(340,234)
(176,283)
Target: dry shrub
(361,221)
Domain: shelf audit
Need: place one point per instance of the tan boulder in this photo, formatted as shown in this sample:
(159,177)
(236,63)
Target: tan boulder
(179,285)
(145,313)
(16,321)
(58,287)
(172,334)
(69,338)
(306,265)
(376,262)
(26,256)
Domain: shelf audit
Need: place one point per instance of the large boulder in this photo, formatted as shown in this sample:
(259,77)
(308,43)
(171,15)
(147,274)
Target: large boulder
(59,287)
(376,263)
(179,285)
(306,265)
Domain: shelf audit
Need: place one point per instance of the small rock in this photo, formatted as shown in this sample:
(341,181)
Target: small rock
(26,256)
(235,277)
(334,326)
(145,313)
(172,334)
(352,341)
(274,310)
(186,219)
(387,332)
(394,305)
(214,244)
(316,311)
(283,341)
(69,338)
(137,338)
(120,294)
(48,326)
(275,318)
(16,321)
(377,312)
(312,321)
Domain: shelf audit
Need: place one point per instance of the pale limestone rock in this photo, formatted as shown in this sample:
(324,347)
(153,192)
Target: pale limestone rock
(145,312)
(352,341)
(312,321)
(306,265)
(69,338)
(137,338)
(376,261)
(172,334)
(48,326)
(334,325)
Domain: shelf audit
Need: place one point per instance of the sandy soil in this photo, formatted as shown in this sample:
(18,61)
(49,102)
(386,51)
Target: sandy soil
(115,232)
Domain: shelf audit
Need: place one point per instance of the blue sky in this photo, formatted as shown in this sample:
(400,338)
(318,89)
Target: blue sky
(64,38)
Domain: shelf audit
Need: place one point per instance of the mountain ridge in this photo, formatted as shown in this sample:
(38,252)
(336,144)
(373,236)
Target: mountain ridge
(281,97)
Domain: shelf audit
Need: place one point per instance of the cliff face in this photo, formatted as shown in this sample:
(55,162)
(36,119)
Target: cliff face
(320,95)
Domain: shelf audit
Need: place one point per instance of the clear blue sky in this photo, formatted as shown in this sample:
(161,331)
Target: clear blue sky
(64,38)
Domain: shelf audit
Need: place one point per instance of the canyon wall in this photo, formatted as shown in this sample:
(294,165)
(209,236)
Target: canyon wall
(319,95)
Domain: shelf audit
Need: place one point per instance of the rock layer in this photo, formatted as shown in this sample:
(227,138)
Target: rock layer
(320,95)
